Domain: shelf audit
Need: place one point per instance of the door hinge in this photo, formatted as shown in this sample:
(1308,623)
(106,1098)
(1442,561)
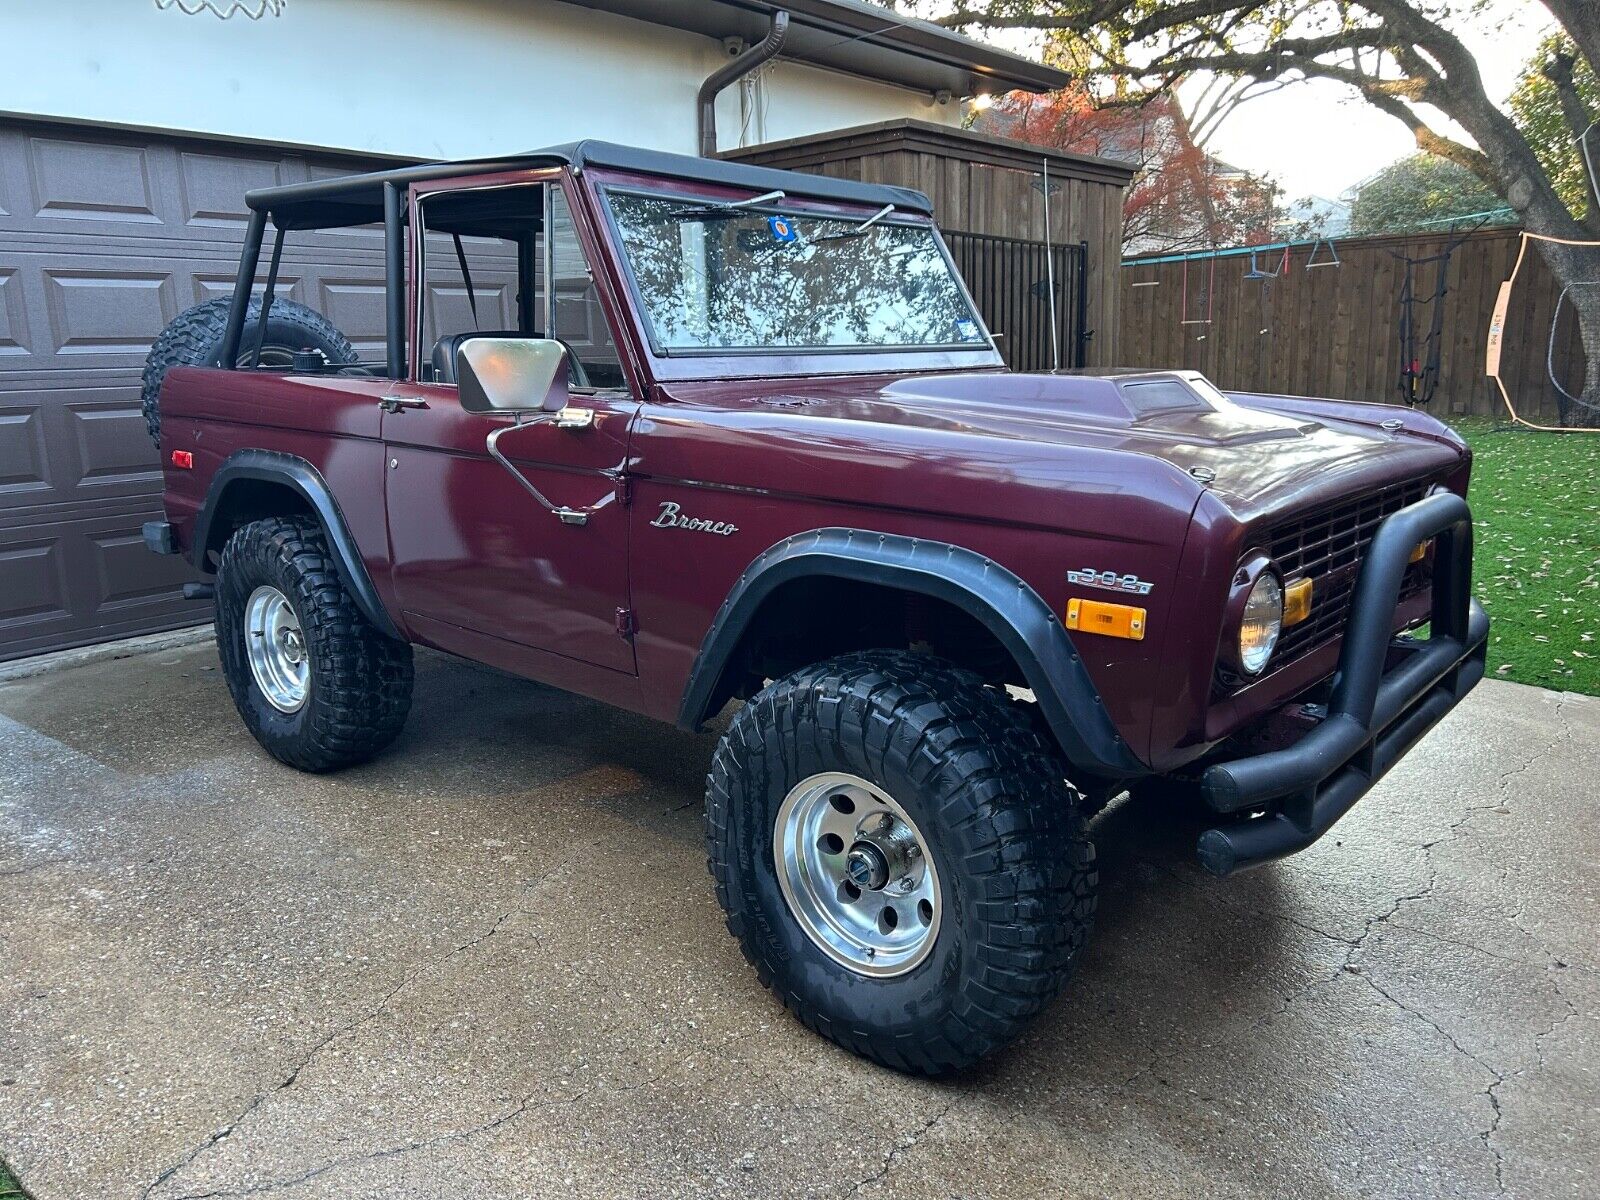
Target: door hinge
(624,489)
(625,623)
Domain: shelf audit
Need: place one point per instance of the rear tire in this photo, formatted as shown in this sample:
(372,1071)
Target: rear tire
(195,339)
(314,682)
(983,797)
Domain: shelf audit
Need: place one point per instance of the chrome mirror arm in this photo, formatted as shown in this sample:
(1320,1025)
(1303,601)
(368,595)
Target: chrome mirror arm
(567,516)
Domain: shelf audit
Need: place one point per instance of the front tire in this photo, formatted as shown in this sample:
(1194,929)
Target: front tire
(984,859)
(314,682)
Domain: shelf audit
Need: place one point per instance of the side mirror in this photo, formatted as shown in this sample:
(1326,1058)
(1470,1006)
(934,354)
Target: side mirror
(498,374)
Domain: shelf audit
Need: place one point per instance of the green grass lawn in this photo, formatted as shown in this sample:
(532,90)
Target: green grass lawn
(1536,562)
(9,1190)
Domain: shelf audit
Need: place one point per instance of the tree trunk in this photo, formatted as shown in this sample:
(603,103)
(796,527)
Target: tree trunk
(1577,269)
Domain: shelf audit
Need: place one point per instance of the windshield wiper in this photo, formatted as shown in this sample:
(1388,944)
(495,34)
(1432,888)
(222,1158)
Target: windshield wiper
(731,208)
(858,230)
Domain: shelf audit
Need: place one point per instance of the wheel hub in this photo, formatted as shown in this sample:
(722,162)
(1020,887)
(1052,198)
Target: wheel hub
(275,647)
(865,867)
(852,866)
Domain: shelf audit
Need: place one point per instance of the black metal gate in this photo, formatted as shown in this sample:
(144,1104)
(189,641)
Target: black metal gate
(1011,280)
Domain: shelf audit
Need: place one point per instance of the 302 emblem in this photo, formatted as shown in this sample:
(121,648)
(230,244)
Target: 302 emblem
(1110,581)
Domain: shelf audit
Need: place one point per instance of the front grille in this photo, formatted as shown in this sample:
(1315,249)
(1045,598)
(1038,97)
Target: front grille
(1328,546)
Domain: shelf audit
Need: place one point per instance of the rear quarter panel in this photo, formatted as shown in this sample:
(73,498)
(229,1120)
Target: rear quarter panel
(331,422)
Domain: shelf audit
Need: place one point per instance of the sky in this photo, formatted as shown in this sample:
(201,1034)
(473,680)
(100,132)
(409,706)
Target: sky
(1315,138)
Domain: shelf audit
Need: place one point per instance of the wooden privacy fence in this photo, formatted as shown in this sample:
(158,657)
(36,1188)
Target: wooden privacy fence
(1010,280)
(1335,330)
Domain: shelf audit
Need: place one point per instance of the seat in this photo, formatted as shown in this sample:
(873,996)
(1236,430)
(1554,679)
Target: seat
(444,350)
(444,355)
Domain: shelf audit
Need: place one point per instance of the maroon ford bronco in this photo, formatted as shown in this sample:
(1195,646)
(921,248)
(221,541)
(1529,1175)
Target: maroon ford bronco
(673,433)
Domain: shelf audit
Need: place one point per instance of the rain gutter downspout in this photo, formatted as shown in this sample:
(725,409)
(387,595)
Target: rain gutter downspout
(729,72)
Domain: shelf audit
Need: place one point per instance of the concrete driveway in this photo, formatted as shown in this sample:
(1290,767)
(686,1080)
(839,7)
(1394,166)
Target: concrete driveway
(491,965)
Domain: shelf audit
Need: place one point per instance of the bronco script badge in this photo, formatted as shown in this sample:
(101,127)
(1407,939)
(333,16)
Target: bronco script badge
(671,517)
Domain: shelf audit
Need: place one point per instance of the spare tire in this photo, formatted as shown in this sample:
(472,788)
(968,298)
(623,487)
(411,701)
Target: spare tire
(195,338)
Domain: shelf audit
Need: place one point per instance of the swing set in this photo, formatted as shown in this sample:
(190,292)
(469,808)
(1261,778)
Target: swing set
(1497,327)
(1197,304)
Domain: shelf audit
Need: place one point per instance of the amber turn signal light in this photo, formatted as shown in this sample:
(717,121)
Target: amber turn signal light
(1419,552)
(1296,602)
(1112,620)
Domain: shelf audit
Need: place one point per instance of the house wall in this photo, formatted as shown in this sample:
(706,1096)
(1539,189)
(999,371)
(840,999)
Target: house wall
(416,78)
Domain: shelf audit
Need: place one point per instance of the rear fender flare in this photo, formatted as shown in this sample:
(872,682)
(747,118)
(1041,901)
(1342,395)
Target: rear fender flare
(1016,614)
(271,466)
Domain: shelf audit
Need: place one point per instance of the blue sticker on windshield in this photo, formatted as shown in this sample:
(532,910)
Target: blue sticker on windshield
(968,330)
(782,231)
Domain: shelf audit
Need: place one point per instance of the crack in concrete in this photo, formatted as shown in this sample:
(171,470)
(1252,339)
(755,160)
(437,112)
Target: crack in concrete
(1355,945)
(898,1149)
(1497,1077)
(524,1106)
(29,868)
(527,889)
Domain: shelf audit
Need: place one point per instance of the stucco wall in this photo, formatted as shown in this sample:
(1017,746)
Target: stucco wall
(430,78)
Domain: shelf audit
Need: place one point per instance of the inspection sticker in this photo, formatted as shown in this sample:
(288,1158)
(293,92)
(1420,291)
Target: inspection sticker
(782,230)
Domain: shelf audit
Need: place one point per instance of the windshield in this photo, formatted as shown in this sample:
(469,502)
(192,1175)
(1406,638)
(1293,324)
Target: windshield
(712,278)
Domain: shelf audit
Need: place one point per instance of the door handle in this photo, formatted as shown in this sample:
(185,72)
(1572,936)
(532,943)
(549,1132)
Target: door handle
(574,418)
(393,404)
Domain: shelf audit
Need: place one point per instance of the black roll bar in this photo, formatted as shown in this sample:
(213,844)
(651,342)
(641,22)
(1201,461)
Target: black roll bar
(394,253)
(249,259)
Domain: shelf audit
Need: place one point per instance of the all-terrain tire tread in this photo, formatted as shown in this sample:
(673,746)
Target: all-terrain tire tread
(1023,840)
(362,679)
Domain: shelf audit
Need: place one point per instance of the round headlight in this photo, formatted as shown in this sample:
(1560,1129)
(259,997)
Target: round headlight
(1261,623)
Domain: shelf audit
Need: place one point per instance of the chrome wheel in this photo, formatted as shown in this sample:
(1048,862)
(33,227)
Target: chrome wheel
(857,875)
(275,646)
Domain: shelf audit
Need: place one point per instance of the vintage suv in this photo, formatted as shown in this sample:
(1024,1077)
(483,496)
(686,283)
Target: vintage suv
(741,435)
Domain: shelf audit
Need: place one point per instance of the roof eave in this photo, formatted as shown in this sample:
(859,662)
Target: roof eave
(857,38)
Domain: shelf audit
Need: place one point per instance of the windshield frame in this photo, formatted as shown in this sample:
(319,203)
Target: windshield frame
(721,361)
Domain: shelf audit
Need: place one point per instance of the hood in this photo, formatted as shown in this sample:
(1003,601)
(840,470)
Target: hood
(1253,452)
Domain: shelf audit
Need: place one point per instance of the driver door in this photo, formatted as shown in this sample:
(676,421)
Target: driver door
(476,560)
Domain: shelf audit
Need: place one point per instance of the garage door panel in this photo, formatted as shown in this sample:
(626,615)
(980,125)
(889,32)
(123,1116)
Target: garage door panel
(212,187)
(104,238)
(355,306)
(23,457)
(215,286)
(91,180)
(13,315)
(79,446)
(128,574)
(33,585)
(113,446)
(79,581)
(112,311)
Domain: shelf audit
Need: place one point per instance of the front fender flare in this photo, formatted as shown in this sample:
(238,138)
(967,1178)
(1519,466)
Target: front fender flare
(1010,609)
(272,466)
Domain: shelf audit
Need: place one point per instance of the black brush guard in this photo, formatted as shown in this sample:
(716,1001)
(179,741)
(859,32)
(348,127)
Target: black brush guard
(1387,693)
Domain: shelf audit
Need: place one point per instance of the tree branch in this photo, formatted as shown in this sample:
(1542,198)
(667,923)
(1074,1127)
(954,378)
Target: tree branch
(1558,69)
(1579,19)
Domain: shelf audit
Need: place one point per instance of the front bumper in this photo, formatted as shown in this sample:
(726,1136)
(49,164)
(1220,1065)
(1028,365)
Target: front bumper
(1387,693)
